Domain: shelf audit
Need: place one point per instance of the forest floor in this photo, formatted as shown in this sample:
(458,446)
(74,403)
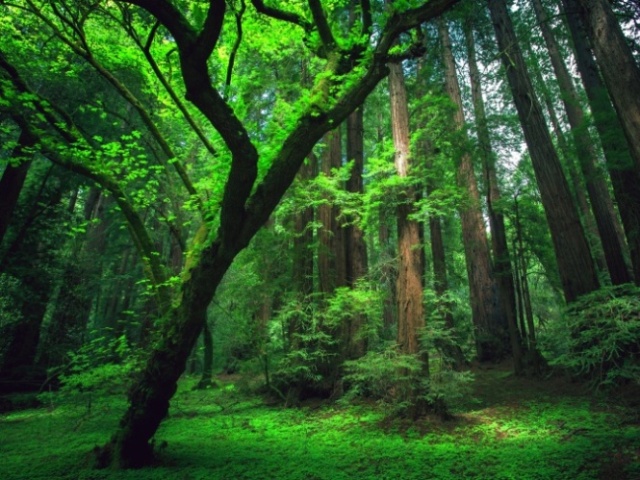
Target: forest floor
(506,428)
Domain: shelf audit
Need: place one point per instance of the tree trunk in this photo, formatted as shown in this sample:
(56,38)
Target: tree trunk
(601,203)
(624,171)
(575,265)
(356,248)
(409,283)
(489,318)
(12,181)
(331,247)
(501,258)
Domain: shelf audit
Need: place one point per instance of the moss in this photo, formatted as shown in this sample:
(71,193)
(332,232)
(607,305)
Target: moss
(221,433)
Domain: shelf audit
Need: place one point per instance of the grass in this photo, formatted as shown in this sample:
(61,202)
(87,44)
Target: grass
(510,429)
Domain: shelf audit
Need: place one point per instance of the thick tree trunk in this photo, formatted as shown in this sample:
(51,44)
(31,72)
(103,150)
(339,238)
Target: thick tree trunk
(624,170)
(501,258)
(488,315)
(130,447)
(409,283)
(601,203)
(356,248)
(331,247)
(575,265)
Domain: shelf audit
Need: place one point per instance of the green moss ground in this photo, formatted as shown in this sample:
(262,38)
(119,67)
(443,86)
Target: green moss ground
(510,429)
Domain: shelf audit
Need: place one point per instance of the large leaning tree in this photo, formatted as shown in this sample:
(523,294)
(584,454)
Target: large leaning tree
(350,61)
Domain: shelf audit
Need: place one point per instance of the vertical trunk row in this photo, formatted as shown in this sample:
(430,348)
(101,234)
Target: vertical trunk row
(601,203)
(575,265)
(623,167)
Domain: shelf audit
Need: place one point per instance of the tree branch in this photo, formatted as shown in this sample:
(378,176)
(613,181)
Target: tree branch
(320,20)
(283,15)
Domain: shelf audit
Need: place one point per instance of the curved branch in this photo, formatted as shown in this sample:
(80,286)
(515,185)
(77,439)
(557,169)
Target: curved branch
(283,15)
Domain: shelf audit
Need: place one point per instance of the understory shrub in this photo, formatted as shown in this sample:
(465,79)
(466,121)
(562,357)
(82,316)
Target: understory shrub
(598,337)
(100,368)
(399,383)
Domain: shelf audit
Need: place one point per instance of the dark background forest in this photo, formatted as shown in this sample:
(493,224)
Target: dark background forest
(359,239)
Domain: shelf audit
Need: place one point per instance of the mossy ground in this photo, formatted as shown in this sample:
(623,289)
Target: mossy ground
(510,429)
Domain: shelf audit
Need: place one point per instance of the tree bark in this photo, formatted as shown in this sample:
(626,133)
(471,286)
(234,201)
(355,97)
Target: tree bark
(575,265)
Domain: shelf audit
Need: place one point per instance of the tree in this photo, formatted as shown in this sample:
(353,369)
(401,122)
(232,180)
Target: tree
(248,197)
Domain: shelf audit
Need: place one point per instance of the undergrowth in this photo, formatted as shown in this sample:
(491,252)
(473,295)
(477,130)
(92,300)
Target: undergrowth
(225,434)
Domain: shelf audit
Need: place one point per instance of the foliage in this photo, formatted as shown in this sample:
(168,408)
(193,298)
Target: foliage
(398,382)
(102,366)
(599,336)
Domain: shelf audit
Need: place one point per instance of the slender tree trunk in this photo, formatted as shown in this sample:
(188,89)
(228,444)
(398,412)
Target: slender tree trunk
(597,189)
(488,316)
(576,268)
(624,170)
(409,283)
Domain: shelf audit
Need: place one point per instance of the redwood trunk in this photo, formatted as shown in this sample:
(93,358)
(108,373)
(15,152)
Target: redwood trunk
(409,282)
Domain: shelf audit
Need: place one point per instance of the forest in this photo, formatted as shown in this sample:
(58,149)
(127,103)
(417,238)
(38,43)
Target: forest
(339,239)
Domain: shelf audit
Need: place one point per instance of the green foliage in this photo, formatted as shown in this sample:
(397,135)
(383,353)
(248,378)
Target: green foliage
(599,337)
(101,367)
(388,376)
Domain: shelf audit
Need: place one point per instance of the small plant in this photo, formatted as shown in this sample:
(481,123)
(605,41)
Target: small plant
(100,368)
(599,337)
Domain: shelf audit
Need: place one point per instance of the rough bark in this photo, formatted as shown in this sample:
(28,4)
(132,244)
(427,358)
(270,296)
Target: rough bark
(575,265)
(489,318)
(601,203)
(622,167)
